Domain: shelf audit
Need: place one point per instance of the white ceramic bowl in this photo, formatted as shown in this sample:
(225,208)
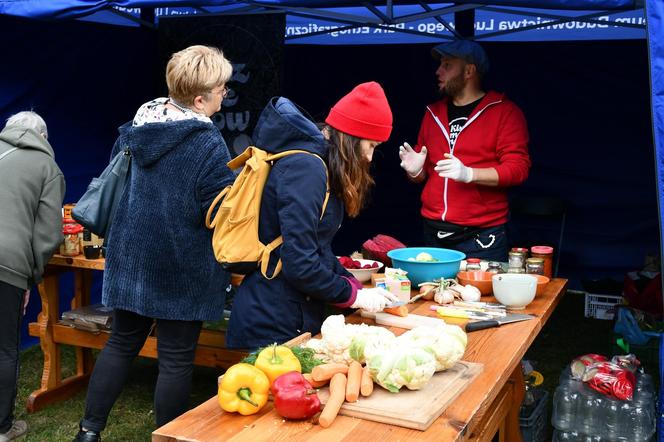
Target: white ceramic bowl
(363,275)
(514,290)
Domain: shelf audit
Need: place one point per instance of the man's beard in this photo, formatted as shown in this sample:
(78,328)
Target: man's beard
(453,86)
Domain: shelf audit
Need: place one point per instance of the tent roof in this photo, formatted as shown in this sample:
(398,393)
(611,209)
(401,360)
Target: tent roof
(64,9)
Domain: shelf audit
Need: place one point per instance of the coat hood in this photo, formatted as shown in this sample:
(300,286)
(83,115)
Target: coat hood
(26,138)
(281,126)
(151,141)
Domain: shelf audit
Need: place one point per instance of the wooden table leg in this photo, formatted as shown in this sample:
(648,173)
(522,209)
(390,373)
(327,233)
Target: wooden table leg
(511,428)
(82,288)
(53,388)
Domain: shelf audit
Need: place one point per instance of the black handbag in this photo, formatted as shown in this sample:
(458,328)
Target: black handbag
(96,208)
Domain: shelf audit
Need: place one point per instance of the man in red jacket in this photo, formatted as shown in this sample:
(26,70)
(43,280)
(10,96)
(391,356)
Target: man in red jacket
(472,146)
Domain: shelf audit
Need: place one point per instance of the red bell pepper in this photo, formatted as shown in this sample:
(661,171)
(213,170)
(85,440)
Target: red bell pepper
(294,397)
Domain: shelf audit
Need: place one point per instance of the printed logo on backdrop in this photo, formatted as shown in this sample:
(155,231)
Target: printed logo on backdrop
(254,46)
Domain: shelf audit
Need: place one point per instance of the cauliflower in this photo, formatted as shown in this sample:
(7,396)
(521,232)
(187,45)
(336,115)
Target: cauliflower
(318,346)
(405,366)
(341,342)
(370,341)
(447,344)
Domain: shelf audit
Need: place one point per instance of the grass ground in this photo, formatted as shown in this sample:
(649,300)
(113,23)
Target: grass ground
(566,335)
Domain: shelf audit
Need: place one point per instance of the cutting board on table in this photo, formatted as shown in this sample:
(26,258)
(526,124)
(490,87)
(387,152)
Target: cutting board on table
(412,409)
(407,322)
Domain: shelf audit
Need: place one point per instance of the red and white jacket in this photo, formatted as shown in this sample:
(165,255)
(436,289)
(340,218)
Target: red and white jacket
(495,135)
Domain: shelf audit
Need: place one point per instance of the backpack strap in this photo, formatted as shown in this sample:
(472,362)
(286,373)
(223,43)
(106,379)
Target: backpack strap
(265,260)
(215,202)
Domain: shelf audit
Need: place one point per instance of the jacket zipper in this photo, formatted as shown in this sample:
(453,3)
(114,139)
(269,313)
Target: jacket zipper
(447,137)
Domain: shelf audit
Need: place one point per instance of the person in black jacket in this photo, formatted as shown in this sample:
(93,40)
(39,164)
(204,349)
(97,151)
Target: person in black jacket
(276,310)
(31,191)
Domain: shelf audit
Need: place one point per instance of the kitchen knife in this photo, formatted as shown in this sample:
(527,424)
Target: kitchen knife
(513,317)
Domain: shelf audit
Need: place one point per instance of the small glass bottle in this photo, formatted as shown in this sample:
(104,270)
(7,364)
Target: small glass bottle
(495,267)
(473,265)
(535,266)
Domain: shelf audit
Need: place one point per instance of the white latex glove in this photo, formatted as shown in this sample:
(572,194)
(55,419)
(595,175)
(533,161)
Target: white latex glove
(373,300)
(411,161)
(454,169)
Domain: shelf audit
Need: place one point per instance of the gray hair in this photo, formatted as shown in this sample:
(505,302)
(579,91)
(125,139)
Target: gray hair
(28,119)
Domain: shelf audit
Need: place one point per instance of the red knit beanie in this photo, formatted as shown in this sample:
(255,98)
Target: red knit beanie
(363,113)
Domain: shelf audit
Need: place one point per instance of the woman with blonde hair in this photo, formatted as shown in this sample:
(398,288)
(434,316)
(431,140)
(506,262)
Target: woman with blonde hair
(278,309)
(159,260)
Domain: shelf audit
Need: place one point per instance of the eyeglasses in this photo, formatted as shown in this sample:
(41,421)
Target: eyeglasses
(223,92)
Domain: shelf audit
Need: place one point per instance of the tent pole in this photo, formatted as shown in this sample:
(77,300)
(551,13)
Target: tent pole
(655,19)
(465,23)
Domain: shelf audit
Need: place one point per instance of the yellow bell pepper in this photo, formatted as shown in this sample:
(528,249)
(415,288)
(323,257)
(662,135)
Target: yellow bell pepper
(276,360)
(243,389)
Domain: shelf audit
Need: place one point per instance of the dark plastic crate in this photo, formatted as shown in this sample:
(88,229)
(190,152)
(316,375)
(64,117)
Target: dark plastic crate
(533,425)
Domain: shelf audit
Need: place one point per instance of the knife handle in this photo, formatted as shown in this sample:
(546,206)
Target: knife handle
(481,325)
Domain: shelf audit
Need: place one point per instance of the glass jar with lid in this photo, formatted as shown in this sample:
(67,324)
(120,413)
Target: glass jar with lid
(535,266)
(516,260)
(546,253)
(473,265)
(71,246)
(495,267)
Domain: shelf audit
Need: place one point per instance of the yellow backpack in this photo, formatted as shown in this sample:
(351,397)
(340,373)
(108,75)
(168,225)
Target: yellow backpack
(235,238)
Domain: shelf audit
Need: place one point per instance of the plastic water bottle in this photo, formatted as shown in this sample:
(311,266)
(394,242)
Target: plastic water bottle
(566,402)
(642,416)
(611,430)
(590,412)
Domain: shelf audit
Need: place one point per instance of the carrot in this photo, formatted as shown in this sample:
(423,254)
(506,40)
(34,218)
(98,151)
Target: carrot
(324,372)
(402,310)
(354,379)
(315,384)
(367,384)
(335,401)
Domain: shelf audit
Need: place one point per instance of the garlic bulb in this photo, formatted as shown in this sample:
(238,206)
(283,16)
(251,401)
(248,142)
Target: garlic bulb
(470,293)
(444,296)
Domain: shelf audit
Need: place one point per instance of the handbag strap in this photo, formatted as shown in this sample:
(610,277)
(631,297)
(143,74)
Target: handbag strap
(8,152)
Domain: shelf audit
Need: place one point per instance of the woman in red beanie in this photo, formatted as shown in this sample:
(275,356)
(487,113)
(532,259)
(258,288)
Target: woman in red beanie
(278,309)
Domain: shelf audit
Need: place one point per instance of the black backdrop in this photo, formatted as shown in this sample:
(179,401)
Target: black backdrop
(588,111)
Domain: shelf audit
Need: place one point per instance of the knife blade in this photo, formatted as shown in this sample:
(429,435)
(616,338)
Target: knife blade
(512,317)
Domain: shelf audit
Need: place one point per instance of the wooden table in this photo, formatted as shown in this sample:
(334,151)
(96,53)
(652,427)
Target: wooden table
(489,405)
(210,352)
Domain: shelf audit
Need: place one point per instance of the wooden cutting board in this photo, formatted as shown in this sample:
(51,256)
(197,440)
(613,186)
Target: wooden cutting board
(412,409)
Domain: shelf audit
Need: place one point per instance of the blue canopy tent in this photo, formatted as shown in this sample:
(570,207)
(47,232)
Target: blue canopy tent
(337,22)
(396,22)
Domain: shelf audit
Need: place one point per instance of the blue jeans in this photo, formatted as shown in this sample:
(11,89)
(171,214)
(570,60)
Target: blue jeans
(176,346)
(489,244)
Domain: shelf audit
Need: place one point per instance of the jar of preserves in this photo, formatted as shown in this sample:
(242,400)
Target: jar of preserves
(535,266)
(473,265)
(516,260)
(71,246)
(495,267)
(546,253)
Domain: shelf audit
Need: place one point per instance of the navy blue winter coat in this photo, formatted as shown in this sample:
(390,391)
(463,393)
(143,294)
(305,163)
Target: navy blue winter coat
(159,260)
(266,311)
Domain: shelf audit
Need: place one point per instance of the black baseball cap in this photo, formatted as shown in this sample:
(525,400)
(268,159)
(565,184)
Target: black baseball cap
(467,50)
